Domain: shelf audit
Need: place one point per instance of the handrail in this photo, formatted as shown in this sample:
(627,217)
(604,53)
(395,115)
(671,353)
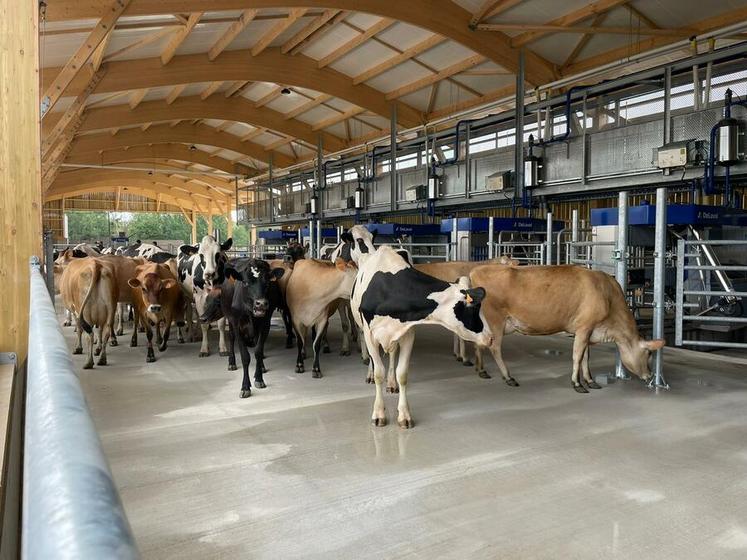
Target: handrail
(71,507)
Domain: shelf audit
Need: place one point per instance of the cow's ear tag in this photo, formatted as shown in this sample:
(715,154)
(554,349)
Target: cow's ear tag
(469,298)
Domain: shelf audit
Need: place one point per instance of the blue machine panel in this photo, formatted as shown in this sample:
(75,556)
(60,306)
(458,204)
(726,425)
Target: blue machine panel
(326,232)
(278,234)
(480,225)
(395,230)
(677,214)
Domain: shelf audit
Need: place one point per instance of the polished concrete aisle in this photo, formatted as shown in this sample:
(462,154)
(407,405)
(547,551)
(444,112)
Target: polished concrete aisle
(489,471)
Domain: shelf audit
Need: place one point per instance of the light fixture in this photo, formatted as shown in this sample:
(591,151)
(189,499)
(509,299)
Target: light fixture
(285,91)
(314,202)
(193,148)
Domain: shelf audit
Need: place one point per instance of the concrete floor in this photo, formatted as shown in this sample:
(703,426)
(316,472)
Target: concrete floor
(489,471)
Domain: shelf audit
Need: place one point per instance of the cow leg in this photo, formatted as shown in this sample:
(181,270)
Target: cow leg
(479,364)
(351,321)
(580,346)
(300,342)
(79,347)
(246,385)
(345,321)
(157,327)
(289,336)
(97,350)
(321,331)
(68,318)
(378,417)
(497,352)
(222,350)
(105,333)
(391,375)
(133,339)
(91,343)
(151,356)
(231,352)
(457,353)
(259,355)
(364,351)
(121,308)
(586,371)
(405,351)
(166,332)
(204,347)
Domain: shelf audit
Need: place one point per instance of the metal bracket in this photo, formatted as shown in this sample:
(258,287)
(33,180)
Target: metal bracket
(9,358)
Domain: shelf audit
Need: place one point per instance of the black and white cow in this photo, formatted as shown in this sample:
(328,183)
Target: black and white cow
(200,267)
(148,251)
(390,297)
(246,298)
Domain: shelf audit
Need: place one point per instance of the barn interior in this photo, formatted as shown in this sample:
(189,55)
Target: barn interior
(608,136)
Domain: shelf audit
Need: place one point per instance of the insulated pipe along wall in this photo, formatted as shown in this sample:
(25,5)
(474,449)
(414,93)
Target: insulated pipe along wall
(71,508)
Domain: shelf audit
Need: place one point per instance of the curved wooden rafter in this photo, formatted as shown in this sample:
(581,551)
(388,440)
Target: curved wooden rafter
(184,133)
(217,107)
(143,190)
(440,16)
(270,66)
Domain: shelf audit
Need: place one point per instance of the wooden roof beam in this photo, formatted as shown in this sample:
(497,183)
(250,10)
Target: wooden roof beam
(81,56)
(272,33)
(147,40)
(491,8)
(593,30)
(641,16)
(406,55)
(338,118)
(356,42)
(598,20)
(304,107)
(269,97)
(473,60)
(312,27)
(136,97)
(238,87)
(210,90)
(568,20)
(175,42)
(231,33)
(174,93)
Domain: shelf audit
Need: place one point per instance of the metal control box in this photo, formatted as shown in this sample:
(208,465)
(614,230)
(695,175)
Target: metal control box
(498,181)
(674,154)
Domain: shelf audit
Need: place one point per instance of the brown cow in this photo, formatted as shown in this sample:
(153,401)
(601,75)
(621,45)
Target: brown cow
(89,290)
(314,292)
(540,300)
(157,297)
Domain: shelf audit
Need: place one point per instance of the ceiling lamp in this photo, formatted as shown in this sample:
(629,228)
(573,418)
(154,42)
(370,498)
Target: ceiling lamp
(285,91)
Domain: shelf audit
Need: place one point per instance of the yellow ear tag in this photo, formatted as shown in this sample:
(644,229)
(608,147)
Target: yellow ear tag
(469,298)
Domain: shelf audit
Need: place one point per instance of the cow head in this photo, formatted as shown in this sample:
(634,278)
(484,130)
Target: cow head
(460,311)
(213,258)
(296,251)
(152,280)
(636,355)
(361,241)
(251,278)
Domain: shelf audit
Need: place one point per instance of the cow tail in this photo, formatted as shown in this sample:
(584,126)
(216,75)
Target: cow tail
(94,281)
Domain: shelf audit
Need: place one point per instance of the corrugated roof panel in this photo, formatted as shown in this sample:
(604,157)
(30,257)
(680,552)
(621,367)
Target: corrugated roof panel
(340,104)
(331,40)
(123,39)
(201,38)
(403,35)
(317,114)
(558,46)
(418,99)
(445,54)
(363,57)
(363,20)
(399,76)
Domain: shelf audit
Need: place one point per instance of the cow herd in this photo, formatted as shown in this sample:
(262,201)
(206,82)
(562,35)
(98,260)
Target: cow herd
(379,294)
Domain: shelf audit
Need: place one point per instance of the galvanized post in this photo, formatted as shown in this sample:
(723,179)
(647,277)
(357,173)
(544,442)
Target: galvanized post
(339,233)
(269,188)
(312,252)
(491,249)
(548,254)
(680,292)
(393,159)
(668,105)
(455,237)
(467,162)
(318,238)
(621,269)
(320,184)
(584,147)
(573,253)
(519,132)
(660,255)
(49,262)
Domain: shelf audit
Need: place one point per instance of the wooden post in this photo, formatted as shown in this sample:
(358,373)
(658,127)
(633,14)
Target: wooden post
(210,220)
(229,225)
(194,226)
(20,171)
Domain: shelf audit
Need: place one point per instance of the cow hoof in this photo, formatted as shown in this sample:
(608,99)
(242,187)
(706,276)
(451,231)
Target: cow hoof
(66,324)
(579,388)
(264,369)
(113,342)
(392,389)
(260,384)
(120,332)
(232,367)
(459,358)
(223,353)
(316,374)
(180,340)
(246,393)
(101,362)
(96,351)
(511,382)
(379,422)
(344,352)
(162,348)
(326,350)
(484,375)
(89,365)
(150,359)
(289,344)
(299,369)
(593,385)
(406,424)
(204,354)
(133,344)
(467,363)
(78,351)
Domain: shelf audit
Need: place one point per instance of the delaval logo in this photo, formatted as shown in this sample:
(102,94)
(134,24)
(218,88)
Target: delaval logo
(520,224)
(703,215)
(405,229)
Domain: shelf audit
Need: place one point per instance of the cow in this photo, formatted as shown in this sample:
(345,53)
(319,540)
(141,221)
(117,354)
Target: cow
(246,298)
(315,290)
(157,298)
(293,253)
(452,271)
(199,268)
(89,290)
(147,251)
(390,297)
(124,269)
(542,300)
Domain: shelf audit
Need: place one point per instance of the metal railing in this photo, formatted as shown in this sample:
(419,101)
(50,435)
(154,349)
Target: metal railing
(725,298)
(527,248)
(71,507)
(423,251)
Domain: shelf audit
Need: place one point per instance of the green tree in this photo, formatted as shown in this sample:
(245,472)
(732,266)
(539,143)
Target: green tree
(145,226)
(91,226)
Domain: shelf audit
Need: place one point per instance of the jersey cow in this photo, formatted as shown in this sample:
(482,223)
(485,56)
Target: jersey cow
(390,297)
(247,298)
(157,298)
(200,267)
(541,300)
